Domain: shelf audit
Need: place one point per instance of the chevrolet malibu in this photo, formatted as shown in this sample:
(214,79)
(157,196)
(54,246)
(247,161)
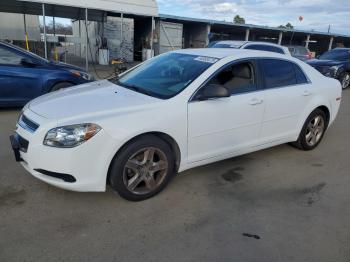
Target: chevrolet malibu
(174,112)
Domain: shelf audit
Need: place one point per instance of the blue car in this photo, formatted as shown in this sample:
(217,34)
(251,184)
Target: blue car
(24,76)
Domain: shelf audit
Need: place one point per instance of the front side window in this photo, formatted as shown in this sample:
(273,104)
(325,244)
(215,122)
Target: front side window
(9,58)
(167,75)
(278,73)
(265,48)
(237,78)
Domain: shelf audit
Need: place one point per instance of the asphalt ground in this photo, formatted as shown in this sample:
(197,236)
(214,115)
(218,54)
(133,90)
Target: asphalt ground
(279,204)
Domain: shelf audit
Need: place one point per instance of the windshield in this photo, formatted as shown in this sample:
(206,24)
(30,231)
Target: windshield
(28,52)
(235,46)
(337,55)
(165,76)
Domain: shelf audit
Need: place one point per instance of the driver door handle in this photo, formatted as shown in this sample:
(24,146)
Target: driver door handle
(307,93)
(256,101)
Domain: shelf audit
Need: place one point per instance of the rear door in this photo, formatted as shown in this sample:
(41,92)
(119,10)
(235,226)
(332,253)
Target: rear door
(287,92)
(19,83)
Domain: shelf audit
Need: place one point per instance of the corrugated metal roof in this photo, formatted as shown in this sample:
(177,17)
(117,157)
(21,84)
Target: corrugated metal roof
(250,26)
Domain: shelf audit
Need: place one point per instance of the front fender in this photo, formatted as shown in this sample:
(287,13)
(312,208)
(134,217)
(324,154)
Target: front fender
(58,77)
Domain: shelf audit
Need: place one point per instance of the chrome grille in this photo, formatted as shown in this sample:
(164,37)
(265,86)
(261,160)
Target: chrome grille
(27,124)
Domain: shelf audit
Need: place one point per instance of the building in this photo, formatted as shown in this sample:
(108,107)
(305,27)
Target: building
(12,26)
(129,29)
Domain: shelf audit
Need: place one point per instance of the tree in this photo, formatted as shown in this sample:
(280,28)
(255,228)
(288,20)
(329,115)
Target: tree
(60,29)
(238,20)
(287,26)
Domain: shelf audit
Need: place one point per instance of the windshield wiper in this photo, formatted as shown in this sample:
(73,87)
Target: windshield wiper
(135,88)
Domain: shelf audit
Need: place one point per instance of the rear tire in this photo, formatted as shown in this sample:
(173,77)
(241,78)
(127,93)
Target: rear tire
(313,131)
(142,168)
(61,86)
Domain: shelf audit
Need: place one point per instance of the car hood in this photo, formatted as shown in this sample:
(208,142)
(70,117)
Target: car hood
(66,66)
(89,100)
(318,62)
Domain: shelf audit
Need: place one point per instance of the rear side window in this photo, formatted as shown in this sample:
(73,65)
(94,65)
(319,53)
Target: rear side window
(265,48)
(278,73)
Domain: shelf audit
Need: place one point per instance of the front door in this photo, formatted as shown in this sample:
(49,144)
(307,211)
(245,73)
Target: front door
(218,127)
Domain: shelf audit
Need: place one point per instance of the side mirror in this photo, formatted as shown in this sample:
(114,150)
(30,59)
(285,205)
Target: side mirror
(213,91)
(28,62)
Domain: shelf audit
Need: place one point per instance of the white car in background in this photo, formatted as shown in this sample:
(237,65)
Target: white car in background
(179,110)
(261,46)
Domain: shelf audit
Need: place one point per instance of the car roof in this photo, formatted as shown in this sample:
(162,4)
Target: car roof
(221,53)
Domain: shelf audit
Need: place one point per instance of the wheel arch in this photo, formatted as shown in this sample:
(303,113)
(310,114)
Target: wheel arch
(320,104)
(326,110)
(163,136)
(59,82)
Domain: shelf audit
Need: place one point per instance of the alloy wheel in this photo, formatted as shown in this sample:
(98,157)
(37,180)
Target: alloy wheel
(145,170)
(315,130)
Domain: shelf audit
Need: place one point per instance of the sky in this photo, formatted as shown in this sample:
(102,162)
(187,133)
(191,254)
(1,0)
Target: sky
(318,14)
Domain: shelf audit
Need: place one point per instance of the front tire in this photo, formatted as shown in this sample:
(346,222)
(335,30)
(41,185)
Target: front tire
(142,168)
(313,131)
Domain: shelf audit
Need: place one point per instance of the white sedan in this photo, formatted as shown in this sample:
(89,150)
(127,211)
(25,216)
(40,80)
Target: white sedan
(174,112)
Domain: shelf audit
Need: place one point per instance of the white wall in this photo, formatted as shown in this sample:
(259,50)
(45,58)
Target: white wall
(112,31)
(12,27)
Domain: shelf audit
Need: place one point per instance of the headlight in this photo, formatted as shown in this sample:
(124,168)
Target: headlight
(84,75)
(70,136)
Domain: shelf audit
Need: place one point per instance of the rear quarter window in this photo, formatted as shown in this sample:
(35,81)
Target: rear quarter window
(300,76)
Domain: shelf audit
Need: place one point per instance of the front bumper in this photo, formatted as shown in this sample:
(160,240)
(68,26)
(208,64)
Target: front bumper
(16,147)
(83,168)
